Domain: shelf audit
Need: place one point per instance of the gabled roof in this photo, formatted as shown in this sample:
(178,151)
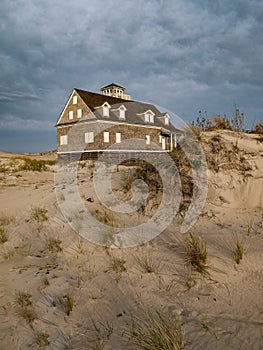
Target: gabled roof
(133,109)
(112,84)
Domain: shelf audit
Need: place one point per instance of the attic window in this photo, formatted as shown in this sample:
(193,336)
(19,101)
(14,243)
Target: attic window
(106,109)
(79,113)
(147,139)
(70,115)
(166,120)
(75,100)
(149,118)
(122,113)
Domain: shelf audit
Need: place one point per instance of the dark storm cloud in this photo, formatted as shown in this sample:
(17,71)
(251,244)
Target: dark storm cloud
(183,55)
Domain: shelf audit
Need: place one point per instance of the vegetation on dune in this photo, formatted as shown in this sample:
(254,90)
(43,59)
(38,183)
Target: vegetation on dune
(157,331)
(25,164)
(196,252)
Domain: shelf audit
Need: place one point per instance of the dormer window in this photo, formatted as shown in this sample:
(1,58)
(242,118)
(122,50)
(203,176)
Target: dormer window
(149,117)
(120,112)
(75,100)
(166,118)
(106,109)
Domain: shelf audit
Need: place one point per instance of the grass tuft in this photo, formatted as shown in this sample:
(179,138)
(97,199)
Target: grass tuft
(54,245)
(148,263)
(23,299)
(3,236)
(238,251)
(196,252)
(67,303)
(41,339)
(157,331)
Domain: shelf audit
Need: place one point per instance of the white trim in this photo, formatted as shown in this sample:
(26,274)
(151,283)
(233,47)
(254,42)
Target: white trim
(116,150)
(116,123)
(61,114)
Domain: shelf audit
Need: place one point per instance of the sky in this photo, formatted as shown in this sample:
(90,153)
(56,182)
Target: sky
(184,55)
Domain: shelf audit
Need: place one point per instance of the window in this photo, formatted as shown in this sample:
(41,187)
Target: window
(75,100)
(147,138)
(106,136)
(79,113)
(106,111)
(63,140)
(149,118)
(160,138)
(166,120)
(118,137)
(122,114)
(89,137)
(70,114)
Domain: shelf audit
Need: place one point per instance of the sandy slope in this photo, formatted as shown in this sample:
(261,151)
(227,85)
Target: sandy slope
(222,310)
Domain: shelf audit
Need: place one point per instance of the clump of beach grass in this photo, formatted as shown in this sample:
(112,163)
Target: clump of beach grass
(157,331)
(196,252)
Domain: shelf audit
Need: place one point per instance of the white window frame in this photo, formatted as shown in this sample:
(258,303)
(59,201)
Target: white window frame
(70,115)
(106,111)
(166,120)
(151,118)
(75,100)
(160,138)
(89,137)
(79,113)
(148,139)
(118,137)
(147,119)
(106,137)
(63,140)
(122,113)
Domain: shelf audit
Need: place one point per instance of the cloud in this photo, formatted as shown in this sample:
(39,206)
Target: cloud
(10,122)
(180,54)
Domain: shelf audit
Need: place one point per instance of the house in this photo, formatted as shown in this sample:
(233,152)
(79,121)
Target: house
(92,122)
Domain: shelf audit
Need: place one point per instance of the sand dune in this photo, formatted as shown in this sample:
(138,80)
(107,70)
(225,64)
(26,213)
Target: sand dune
(59,291)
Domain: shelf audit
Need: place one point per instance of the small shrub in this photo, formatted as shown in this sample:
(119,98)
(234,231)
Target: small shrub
(118,265)
(32,164)
(54,245)
(41,339)
(23,299)
(28,314)
(194,131)
(196,252)
(157,331)
(3,236)
(39,214)
(258,128)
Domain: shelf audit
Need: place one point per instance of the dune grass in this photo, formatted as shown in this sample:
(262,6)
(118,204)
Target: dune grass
(157,331)
(196,252)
